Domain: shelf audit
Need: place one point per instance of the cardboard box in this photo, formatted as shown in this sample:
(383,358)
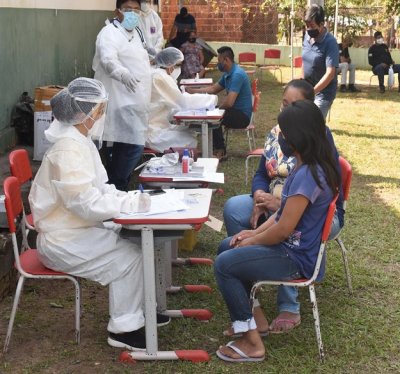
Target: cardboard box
(43,117)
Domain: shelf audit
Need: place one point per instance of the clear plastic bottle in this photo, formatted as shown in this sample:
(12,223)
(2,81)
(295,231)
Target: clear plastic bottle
(185,161)
(197,77)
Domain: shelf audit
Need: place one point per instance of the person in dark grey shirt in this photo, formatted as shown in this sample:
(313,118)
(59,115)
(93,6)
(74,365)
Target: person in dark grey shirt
(345,65)
(380,59)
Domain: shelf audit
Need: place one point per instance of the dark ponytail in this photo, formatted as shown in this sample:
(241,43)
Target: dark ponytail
(304,129)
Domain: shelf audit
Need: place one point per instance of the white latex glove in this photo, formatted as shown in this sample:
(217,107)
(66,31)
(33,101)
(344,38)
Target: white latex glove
(129,81)
(135,202)
(144,202)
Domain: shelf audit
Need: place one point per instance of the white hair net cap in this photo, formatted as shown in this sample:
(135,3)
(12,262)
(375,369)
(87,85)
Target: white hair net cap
(74,103)
(169,57)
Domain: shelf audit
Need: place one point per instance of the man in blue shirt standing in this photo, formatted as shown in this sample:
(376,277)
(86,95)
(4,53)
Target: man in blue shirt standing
(237,103)
(320,58)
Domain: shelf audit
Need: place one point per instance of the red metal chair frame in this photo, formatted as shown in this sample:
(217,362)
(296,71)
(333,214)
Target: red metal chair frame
(27,262)
(248,59)
(20,167)
(250,129)
(347,174)
(297,62)
(308,282)
(272,54)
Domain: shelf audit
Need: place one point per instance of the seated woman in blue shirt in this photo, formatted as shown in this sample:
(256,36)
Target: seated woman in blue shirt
(285,246)
(247,211)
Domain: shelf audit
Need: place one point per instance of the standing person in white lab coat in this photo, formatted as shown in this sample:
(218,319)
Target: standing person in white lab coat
(167,99)
(70,199)
(121,62)
(152,27)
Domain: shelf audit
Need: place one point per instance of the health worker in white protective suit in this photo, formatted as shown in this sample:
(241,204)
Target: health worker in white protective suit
(70,199)
(121,62)
(167,99)
(152,26)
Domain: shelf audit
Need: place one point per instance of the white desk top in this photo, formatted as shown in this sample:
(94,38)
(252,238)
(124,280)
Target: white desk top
(196,82)
(208,165)
(199,114)
(198,200)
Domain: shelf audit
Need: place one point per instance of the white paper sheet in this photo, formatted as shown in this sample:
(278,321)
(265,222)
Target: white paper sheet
(163,203)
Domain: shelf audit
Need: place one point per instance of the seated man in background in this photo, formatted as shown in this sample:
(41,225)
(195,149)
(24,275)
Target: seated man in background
(380,59)
(238,102)
(167,99)
(345,65)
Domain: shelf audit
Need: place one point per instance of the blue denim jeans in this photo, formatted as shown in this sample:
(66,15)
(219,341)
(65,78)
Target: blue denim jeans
(120,160)
(323,104)
(237,213)
(236,269)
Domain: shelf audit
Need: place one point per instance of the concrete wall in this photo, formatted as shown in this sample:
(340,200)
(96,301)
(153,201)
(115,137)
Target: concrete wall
(359,56)
(43,46)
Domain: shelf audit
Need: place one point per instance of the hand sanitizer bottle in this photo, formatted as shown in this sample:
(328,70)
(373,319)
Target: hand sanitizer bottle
(185,161)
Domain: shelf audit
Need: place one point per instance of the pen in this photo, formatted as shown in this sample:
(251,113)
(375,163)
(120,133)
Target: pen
(141,188)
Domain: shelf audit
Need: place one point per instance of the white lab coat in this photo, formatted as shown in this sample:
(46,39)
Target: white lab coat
(127,112)
(166,100)
(152,26)
(70,200)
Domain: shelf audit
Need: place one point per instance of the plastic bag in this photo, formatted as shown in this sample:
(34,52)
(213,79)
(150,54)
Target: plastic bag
(390,81)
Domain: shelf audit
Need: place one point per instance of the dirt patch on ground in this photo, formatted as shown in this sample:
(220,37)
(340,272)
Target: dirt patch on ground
(44,333)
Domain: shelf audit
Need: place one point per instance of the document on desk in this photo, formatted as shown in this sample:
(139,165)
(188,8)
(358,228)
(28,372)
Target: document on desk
(171,201)
(200,113)
(207,177)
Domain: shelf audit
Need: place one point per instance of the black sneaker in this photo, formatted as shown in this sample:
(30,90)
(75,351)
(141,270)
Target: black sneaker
(342,88)
(163,320)
(353,88)
(134,340)
(382,89)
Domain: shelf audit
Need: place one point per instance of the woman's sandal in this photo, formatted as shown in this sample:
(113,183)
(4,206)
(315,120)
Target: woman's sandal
(243,357)
(282,322)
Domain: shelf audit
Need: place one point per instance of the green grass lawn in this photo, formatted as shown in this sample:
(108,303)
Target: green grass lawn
(361,333)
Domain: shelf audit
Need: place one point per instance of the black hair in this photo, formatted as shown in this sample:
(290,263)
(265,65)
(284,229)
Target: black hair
(119,3)
(377,34)
(226,52)
(302,85)
(303,127)
(315,13)
(183,11)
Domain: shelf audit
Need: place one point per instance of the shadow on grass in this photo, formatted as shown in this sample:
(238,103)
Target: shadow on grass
(363,135)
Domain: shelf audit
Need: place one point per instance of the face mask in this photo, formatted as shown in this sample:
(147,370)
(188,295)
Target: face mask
(313,33)
(286,149)
(97,130)
(131,20)
(192,40)
(380,41)
(176,73)
(145,8)
(220,66)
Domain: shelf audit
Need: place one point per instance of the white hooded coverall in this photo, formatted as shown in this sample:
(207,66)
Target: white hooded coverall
(127,112)
(152,26)
(70,199)
(166,100)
